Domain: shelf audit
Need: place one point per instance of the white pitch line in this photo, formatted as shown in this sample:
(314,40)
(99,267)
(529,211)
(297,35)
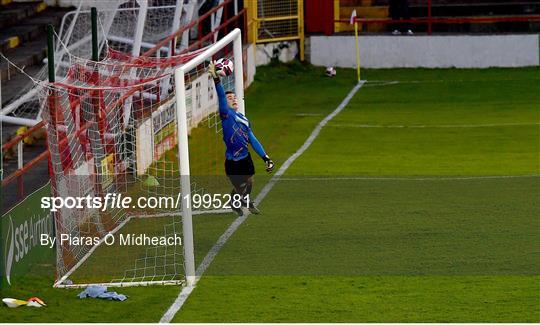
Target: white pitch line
(405,178)
(308,114)
(367,126)
(378,83)
(186,291)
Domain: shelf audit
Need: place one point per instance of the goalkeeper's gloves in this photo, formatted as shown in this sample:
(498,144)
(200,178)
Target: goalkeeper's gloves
(212,71)
(269,164)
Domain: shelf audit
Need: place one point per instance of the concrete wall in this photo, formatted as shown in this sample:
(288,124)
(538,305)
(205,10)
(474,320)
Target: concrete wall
(250,67)
(464,51)
(284,51)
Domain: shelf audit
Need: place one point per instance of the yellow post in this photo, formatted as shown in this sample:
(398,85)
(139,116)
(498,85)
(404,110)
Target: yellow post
(337,16)
(251,7)
(357,50)
(301,27)
(252,28)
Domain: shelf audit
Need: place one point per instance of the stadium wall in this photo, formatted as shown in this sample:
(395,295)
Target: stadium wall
(250,63)
(21,228)
(283,51)
(463,51)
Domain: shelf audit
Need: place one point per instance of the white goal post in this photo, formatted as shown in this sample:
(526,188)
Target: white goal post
(182,126)
(97,151)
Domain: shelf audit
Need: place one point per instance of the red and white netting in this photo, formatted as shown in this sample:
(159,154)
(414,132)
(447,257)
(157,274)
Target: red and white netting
(112,129)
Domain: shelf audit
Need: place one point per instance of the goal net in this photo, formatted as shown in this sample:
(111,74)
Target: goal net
(119,22)
(146,129)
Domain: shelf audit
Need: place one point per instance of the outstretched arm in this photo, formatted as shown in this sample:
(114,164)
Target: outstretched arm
(257,146)
(222,98)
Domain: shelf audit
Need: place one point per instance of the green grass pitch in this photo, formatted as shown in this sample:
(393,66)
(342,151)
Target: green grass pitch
(392,214)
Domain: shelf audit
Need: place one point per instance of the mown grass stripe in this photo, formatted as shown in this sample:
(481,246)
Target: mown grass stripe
(186,291)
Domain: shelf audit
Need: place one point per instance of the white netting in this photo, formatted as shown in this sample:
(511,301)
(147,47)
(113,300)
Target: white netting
(117,26)
(112,129)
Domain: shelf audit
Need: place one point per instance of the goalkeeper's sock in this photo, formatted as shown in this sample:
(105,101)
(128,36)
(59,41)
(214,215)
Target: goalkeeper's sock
(249,187)
(247,191)
(239,210)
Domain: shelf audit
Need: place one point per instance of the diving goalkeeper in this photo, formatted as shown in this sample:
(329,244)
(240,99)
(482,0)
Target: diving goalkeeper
(237,134)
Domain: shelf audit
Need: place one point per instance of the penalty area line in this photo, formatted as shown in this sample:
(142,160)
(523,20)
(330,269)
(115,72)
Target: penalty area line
(379,83)
(427,126)
(407,178)
(187,290)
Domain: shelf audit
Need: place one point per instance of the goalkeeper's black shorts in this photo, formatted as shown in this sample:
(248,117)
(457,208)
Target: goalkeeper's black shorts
(239,171)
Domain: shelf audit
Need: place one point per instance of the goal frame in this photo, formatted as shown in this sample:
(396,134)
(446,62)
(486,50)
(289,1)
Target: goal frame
(235,37)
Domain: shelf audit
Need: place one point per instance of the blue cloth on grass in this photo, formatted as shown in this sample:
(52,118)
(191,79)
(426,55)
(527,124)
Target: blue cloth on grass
(95,291)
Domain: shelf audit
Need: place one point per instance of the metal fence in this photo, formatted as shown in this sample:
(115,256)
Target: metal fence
(430,16)
(276,21)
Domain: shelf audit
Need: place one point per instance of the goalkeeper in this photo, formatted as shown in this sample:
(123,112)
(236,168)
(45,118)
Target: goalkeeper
(237,134)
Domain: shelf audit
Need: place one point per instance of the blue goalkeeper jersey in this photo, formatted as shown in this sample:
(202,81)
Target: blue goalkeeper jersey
(237,133)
